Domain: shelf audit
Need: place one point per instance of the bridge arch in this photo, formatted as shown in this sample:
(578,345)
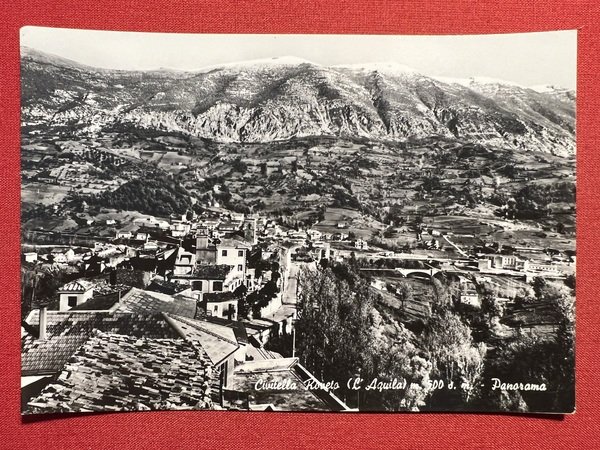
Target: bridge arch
(427,272)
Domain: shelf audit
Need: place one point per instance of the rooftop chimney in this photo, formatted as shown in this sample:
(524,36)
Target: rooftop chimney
(43,321)
(113,277)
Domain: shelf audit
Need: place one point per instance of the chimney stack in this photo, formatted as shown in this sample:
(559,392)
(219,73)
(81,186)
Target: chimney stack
(43,321)
(113,277)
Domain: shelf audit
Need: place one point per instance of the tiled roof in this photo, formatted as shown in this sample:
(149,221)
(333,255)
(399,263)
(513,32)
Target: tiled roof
(230,225)
(49,356)
(166,287)
(212,271)
(217,341)
(140,301)
(99,303)
(219,296)
(240,331)
(294,397)
(113,372)
(76,286)
(237,242)
(238,327)
(67,331)
(107,289)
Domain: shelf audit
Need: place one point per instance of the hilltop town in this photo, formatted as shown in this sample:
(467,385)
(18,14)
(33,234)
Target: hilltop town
(226,283)
(162,269)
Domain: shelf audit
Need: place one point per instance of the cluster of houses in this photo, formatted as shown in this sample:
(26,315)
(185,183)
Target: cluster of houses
(529,267)
(152,351)
(172,339)
(151,318)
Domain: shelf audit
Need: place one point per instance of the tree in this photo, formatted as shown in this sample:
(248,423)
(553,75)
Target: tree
(239,166)
(332,325)
(570,281)
(404,292)
(255,301)
(442,293)
(243,307)
(455,357)
(395,356)
(340,333)
(553,364)
(491,309)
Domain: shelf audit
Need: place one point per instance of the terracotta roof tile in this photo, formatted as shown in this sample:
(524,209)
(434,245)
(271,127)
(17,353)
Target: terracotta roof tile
(218,296)
(77,286)
(212,271)
(140,301)
(218,341)
(67,331)
(114,372)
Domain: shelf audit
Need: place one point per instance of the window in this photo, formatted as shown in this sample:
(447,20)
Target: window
(72,299)
(196,285)
(229,312)
(240,267)
(217,286)
(240,253)
(223,252)
(216,308)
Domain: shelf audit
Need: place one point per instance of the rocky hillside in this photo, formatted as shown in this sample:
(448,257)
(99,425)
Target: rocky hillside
(282,98)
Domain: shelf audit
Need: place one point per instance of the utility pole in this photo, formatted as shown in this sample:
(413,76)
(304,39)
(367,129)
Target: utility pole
(294,321)
(294,336)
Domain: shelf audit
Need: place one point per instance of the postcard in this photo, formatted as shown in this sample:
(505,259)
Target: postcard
(336,223)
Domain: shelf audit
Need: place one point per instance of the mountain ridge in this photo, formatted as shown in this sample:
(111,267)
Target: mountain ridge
(287,97)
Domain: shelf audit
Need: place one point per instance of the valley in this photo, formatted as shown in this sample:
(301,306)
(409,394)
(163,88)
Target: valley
(369,212)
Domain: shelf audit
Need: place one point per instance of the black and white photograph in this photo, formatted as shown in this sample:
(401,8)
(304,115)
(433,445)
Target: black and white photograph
(315,223)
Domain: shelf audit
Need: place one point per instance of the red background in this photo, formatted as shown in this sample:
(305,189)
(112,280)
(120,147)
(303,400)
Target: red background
(259,430)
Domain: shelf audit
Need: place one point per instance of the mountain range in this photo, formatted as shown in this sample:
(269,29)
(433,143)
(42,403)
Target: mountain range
(281,98)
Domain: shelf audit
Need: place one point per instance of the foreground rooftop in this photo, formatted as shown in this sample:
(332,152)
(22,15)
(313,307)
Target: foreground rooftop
(113,372)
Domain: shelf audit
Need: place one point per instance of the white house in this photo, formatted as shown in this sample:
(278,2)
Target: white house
(503,261)
(233,253)
(221,304)
(209,278)
(361,244)
(30,257)
(180,229)
(123,234)
(63,256)
(74,294)
(468,293)
(142,237)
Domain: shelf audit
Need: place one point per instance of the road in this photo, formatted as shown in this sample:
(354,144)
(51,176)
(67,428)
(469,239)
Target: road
(289,298)
(291,285)
(458,249)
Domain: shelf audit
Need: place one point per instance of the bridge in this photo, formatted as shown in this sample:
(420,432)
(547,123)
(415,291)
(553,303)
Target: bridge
(431,272)
(428,271)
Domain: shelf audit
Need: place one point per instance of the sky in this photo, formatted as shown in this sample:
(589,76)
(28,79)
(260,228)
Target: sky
(527,59)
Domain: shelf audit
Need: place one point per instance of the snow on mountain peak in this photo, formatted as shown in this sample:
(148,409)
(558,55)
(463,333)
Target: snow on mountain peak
(544,88)
(263,62)
(468,82)
(390,67)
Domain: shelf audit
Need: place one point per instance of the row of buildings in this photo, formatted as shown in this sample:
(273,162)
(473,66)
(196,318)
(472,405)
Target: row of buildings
(172,340)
